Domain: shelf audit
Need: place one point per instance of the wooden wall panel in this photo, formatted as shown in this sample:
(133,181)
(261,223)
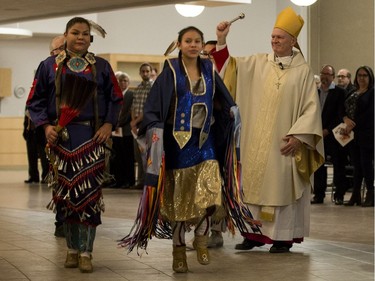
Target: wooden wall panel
(5,82)
(12,144)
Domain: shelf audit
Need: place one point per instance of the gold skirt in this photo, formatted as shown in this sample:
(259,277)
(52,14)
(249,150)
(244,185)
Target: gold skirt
(190,191)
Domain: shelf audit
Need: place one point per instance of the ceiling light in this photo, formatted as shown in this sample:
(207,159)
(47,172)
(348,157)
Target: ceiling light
(14,33)
(303,2)
(189,10)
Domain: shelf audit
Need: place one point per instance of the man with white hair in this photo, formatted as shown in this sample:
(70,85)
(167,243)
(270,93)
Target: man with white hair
(281,134)
(56,45)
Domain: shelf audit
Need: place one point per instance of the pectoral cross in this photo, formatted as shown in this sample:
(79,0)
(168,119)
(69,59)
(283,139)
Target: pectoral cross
(277,84)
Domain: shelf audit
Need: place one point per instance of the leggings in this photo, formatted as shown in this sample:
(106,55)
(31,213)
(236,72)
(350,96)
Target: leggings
(179,229)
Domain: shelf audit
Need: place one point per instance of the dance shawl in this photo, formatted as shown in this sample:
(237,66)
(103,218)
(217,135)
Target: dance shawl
(226,129)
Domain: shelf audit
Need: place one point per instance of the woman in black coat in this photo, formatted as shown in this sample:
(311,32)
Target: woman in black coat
(360,118)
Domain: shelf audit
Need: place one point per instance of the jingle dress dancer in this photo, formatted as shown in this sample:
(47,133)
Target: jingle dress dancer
(76,79)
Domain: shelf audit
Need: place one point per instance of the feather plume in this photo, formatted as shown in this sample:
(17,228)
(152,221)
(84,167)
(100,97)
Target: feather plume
(77,91)
(97,28)
(171,48)
(67,115)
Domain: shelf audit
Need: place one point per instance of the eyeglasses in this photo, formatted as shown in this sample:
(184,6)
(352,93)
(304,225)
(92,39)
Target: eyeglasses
(325,73)
(362,75)
(61,48)
(206,55)
(341,76)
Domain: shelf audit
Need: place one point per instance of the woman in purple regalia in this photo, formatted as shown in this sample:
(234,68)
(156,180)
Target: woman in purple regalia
(76,99)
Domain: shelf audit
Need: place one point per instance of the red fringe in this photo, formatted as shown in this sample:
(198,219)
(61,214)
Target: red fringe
(67,115)
(83,175)
(77,154)
(88,174)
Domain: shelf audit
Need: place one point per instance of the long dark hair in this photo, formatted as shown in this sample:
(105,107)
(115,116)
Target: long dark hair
(370,74)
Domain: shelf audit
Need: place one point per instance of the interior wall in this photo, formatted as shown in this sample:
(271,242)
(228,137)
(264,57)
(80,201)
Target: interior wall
(23,57)
(337,32)
(136,31)
(150,31)
(342,34)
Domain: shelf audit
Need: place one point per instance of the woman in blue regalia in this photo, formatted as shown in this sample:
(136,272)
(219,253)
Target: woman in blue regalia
(187,121)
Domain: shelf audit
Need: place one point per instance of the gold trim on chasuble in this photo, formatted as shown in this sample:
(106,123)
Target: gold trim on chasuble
(308,160)
(191,190)
(261,139)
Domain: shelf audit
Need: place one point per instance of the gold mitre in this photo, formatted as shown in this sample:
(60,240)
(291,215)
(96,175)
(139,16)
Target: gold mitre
(289,21)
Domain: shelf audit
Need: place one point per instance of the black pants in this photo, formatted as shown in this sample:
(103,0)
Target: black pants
(35,149)
(339,159)
(363,160)
(122,163)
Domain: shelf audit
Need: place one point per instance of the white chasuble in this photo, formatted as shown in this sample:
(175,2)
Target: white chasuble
(275,103)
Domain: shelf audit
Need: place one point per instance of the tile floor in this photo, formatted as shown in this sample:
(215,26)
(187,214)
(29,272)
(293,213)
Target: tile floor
(340,246)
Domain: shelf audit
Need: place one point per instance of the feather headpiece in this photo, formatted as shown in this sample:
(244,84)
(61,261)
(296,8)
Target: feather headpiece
(171,48)
(97,28)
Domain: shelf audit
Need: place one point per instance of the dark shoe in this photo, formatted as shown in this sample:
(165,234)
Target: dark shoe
(59,231)
(31,181)
(354,200)
(369,201)
(121,186)
(248,244)
(368,204)
(280,247)
(317,201)
(44,182)
(138,186)
(339,201)
(109,184)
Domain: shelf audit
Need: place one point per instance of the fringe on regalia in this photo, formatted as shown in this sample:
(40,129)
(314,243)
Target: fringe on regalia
(75,177)
(149,222)
(237,212)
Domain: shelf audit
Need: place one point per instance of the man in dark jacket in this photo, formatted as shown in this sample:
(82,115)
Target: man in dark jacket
(332,105)
(344,80)
(122,163)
